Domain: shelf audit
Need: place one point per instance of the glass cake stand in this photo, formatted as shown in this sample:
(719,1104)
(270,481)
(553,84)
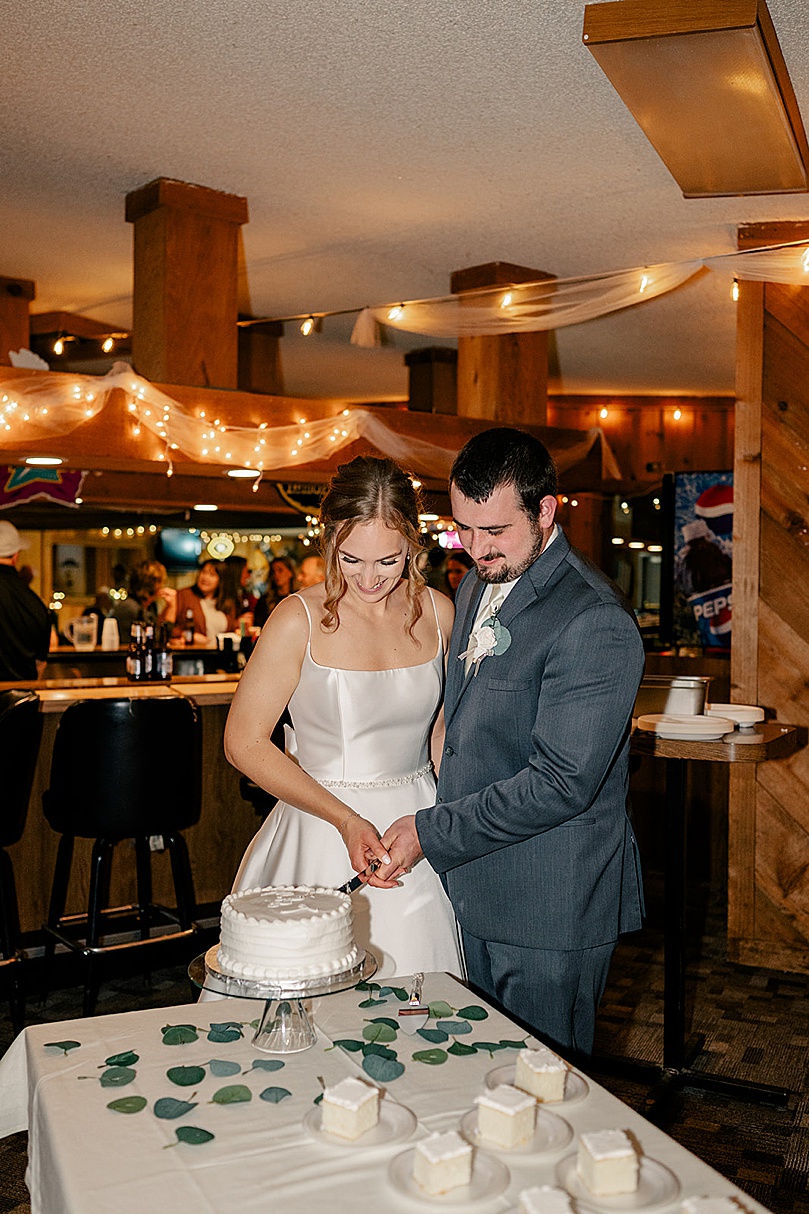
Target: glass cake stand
(284,1027)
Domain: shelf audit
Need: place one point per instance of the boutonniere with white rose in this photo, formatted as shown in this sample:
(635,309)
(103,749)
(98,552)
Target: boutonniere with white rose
(489,639)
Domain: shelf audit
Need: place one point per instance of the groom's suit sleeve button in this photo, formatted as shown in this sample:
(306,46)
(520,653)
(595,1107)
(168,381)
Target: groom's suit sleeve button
(448,750)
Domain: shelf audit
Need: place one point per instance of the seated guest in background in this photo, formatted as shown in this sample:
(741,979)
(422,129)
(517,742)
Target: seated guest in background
(459,562)
(281,586)
(25,624)
(433,567)
(235,576)
(147,585)
(311,570)
(212,609)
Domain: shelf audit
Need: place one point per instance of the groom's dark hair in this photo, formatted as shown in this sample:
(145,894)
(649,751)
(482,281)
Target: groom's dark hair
(503,456)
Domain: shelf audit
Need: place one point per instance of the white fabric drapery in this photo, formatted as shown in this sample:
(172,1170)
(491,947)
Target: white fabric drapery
(555,303)
(52,405)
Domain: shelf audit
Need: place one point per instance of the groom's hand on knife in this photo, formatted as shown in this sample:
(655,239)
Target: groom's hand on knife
(402,842)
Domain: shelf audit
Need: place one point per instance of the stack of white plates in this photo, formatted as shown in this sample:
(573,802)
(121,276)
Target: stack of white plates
(745,715)
(686,728)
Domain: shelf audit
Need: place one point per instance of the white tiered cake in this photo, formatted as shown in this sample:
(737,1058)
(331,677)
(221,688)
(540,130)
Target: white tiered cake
(287,932)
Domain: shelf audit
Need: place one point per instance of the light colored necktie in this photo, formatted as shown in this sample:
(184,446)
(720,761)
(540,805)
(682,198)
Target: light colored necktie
(496,600)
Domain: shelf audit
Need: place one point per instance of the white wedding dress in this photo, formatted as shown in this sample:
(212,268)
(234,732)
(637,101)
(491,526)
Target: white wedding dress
(364,734)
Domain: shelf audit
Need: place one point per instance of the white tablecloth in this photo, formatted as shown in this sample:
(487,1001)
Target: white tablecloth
(87,1159)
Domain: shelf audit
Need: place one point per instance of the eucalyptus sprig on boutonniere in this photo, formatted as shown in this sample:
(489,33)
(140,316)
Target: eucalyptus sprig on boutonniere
(489,639)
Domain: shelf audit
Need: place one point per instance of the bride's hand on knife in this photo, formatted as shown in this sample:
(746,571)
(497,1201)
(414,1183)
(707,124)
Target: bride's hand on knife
(363,845)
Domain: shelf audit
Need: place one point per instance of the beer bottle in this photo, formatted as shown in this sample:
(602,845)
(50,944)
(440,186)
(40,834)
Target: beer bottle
(188,628)
(148,651)
(162,660)
(134,657)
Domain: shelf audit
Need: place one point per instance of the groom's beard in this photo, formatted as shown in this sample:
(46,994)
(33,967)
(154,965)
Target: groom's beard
(509,573)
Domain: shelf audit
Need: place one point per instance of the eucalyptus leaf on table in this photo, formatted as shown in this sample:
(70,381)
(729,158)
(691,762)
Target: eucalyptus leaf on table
(430,1057)
(128,1104)
(168,1108)
(191,1135)
(274,1095)
(64,1046)
(185,1076)
(128,1058)
(117,1077)
(234,1093)
(265,1064)
(222,1067)
(383,1070)
(179,1034)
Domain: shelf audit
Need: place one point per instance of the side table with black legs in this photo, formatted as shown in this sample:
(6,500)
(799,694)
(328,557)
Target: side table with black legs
(773,741)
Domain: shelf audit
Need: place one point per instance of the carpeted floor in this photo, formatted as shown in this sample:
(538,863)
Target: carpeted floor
(756,1027)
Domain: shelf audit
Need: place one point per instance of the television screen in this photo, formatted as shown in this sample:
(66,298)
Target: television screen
(179,548)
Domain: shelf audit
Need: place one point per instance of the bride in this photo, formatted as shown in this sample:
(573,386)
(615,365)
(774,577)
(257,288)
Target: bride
(359,659)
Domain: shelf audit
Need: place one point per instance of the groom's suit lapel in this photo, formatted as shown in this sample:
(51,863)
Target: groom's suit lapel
(531,586)
(465,618)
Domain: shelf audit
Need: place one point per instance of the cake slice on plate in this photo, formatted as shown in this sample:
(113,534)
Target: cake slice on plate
(608,1163)
(506,1116)
(350,1108)
(541,1073)
(442,1162)
(544,1199)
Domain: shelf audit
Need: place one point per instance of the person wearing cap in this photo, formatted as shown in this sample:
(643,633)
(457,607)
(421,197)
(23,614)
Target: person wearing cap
(25,626)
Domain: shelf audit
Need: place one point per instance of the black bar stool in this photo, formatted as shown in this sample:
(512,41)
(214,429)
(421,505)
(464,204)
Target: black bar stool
(123,769)
(20,735)
(264,802)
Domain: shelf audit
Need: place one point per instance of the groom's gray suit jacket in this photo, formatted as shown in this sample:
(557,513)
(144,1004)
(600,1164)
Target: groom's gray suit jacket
(530,833)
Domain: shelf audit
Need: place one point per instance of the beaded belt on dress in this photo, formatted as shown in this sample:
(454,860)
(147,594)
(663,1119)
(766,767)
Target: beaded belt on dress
(392,782)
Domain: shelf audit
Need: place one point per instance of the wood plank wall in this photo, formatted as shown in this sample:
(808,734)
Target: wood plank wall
(648,439)
(768,843)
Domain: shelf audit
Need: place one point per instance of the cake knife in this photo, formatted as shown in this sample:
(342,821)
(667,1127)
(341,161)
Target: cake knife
(415,1014)
(357,881)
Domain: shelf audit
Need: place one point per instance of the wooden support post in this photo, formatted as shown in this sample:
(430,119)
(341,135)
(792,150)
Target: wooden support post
(185,299)
(433,379)
(15,297)
(768,830)
(260,368)
(503,379)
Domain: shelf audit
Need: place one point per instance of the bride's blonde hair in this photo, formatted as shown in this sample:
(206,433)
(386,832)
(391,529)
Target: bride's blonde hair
(361,492)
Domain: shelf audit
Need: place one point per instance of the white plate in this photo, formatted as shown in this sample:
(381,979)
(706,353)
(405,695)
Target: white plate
(395,1124)
(742,714)
(490,1178)
(552,1133)
(657,1186)
(576,1087)
(686,728)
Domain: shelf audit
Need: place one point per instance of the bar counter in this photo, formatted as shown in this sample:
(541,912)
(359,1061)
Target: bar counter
(216,844)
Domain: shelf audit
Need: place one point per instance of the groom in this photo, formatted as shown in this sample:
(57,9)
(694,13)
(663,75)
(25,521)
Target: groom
(530,833)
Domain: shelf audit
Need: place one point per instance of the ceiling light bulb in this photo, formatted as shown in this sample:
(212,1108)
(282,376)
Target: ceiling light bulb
(107,345)
(59,346)
(308,325)
(604,414)
(677,414)
(505,302)
(644,282)
(734,290)
(205,506)
(43,461)
(395,312)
